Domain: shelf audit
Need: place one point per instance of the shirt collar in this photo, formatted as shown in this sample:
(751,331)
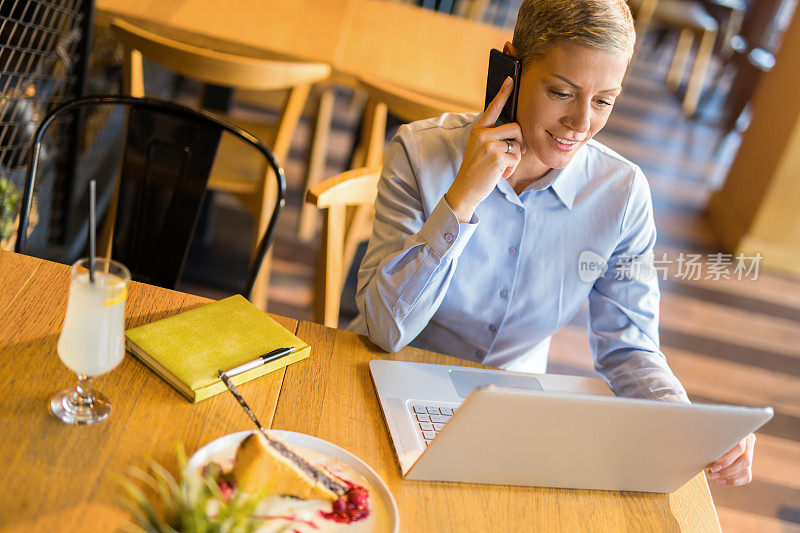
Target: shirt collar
(568,180)
(565,184)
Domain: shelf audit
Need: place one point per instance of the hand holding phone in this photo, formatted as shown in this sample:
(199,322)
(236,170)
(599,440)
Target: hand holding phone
(493,152)
(502,66)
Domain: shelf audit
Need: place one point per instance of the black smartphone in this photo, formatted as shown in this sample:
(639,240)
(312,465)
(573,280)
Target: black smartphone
(501,66)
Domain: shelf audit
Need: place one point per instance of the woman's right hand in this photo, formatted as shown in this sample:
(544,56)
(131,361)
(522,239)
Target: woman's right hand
(486,159)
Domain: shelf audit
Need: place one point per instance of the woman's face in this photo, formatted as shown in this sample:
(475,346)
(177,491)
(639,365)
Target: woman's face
(565,97)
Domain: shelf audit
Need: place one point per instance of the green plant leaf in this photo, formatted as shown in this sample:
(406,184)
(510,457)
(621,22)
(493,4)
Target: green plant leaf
(9,196)
(183,502)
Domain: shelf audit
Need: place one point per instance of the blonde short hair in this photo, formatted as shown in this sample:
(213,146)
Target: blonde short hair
(598,24)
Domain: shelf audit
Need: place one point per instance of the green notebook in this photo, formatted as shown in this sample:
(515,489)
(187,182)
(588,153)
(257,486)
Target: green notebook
(189,348)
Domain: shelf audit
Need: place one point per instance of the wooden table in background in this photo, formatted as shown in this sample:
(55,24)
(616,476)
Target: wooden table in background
(428,52)
(61,478)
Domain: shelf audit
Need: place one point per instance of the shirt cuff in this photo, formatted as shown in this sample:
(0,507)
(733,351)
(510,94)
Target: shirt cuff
(444,233)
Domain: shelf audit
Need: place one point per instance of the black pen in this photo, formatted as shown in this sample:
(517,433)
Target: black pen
(258,361)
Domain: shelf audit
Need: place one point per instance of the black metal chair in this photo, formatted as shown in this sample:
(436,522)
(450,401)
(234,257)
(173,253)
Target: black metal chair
(152,160)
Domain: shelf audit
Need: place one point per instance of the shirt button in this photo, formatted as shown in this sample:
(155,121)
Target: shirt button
(448,237)
(520,209)
(504,294)
(512,251)
(492,328)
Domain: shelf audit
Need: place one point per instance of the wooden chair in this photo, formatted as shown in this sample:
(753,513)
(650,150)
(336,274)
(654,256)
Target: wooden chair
(348,219)
(694,23)
(234,171)
(752,56)
(730,15)
(355,188)
(382,97)
(406,105)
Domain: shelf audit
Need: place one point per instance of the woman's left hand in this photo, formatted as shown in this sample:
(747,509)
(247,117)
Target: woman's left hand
(736,466)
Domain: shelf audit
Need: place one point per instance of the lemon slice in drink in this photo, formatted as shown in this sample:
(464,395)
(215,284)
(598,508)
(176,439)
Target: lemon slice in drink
(123,293)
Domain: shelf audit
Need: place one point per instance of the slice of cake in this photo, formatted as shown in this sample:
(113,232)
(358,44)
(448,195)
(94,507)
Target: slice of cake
(265,466)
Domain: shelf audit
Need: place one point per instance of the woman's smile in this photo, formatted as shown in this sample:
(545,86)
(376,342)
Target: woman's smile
(563,144)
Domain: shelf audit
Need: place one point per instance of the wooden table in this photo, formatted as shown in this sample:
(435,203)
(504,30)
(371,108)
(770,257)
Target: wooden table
(425,51)
(61,478)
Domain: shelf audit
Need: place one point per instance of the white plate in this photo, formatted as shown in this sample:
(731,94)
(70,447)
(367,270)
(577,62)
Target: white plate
(379,493)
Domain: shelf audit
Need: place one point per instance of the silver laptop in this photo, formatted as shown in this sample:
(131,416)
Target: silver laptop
(451,423)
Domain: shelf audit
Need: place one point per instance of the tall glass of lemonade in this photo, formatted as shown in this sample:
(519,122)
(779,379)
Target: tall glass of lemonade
(92,341)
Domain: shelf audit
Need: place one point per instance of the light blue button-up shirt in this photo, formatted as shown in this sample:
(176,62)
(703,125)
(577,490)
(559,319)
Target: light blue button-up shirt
(495,289)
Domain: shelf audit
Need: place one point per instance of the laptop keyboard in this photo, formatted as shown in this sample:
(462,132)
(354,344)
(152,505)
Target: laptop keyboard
(430,418)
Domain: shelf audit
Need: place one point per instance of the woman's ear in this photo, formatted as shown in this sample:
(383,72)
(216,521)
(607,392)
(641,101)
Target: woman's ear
(508,49)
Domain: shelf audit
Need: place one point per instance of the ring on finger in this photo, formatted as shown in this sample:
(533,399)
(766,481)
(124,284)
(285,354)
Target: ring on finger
(509,146)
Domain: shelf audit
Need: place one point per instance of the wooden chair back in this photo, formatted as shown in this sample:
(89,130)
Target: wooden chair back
(356,216)
(409,106)
(232,174)
(381,98)
(347,200)
(693,22)
(212,66)
(333,196)
(221,68)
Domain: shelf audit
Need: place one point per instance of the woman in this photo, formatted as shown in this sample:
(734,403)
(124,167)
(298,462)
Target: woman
(488,239)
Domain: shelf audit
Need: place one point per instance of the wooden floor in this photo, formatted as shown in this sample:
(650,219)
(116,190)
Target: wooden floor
(728,341)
